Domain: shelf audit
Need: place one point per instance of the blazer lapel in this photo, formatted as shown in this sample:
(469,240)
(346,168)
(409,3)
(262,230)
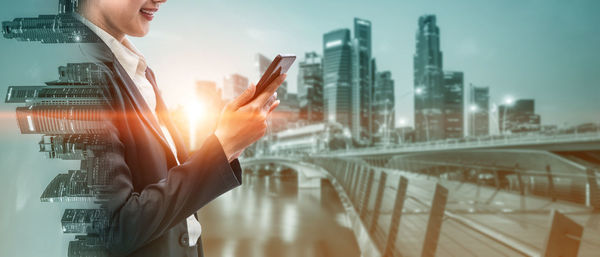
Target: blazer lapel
(163,114)
(140,104)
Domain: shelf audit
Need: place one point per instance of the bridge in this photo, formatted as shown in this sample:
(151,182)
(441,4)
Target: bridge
(498,197)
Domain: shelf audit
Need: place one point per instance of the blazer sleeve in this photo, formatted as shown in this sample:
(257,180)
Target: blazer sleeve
(136,218)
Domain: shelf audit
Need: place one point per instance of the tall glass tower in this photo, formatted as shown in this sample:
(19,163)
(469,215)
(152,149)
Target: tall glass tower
(362,82)
(479,102)
(428,81)
(453,90)
(310,88)
(337,76)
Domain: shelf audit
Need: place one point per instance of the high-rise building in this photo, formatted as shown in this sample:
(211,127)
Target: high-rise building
(310,88)
(82,221)
(453,104)
(87,245)
(337,77)
(428,81)
(49,29)
(478,111)
(383,106)
(69,111)
(70,187)
(234,85)
(518,117)
(362,86)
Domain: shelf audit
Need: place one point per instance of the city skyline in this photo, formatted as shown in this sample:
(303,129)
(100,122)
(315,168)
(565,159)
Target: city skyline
(486,56)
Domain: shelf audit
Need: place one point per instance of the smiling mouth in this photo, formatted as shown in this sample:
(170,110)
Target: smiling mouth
(148,13)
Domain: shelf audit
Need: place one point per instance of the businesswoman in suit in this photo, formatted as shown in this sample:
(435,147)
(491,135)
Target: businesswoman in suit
(158,186)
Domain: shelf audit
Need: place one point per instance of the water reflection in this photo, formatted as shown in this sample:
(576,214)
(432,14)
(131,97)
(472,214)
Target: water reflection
(269,216)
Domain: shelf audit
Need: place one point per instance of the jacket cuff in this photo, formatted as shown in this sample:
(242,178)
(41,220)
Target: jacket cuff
(237,170)
(232,177)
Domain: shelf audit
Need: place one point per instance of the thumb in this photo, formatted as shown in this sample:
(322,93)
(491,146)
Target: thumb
(242,99)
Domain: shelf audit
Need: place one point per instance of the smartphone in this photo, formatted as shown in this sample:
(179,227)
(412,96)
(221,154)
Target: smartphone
(280,65)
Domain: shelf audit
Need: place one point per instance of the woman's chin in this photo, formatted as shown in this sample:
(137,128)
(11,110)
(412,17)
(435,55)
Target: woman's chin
(139,32)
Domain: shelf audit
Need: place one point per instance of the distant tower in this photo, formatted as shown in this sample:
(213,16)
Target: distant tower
(234,85)
(362,82)
(428,76)
(337,76)
(453,104)
(478,111)
(310,88)
(383,105)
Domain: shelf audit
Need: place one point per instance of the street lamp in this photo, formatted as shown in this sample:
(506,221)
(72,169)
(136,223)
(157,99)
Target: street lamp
(419,91)
(508,102)
(473,110)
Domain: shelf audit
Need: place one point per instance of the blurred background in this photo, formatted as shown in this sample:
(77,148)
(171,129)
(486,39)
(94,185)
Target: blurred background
(430,128)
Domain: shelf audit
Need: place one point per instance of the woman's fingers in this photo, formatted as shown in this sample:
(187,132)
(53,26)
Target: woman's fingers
(273,106)
(261,100)
(244,98)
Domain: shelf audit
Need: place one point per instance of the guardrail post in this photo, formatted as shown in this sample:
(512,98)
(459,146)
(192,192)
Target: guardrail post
(519,179)
(564,237)
(496,178)
(550,183)
(356,185)
(378,199)
(434,225)
(396,215)
(594,194)
(361,190)
(365,202)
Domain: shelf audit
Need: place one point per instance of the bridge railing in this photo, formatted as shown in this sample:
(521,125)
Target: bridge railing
(495,141)
(437,209)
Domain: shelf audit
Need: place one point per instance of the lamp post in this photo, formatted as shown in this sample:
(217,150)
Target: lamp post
(473,110)
(508,102)
(419,91)
(402,122)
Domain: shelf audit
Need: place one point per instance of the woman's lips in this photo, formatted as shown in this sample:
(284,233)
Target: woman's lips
(148,13)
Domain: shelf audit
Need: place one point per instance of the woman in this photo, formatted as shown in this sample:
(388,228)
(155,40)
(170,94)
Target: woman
(158,186)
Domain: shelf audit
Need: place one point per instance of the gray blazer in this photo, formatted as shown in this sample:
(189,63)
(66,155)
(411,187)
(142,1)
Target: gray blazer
(151,195)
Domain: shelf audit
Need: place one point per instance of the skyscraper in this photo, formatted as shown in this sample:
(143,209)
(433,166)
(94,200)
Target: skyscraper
(69,112)
(478,111)
(428,78)
(362,82)
(310,88)
(453,104)
(337,76)
(383,106)
(234,85)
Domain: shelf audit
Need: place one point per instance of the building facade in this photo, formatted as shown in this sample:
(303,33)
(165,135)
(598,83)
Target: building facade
(310,88)
(362,87)
(519,117)
(428,79)
(234,85)
(337,77)
(453,104)
(478,110)
(383,107)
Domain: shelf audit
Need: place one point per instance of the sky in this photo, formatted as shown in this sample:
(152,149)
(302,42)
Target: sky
(542,49)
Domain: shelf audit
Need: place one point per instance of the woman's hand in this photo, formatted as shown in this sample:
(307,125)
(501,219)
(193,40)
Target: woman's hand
(244,121)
